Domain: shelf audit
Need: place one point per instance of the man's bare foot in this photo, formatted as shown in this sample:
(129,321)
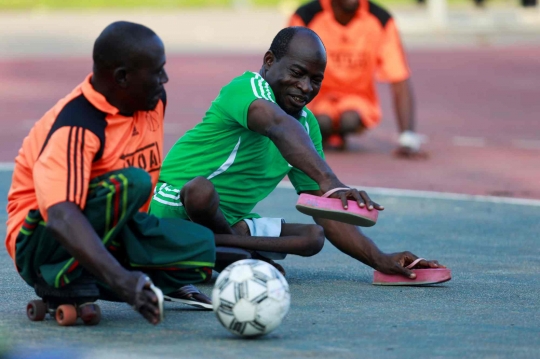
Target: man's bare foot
(190,295)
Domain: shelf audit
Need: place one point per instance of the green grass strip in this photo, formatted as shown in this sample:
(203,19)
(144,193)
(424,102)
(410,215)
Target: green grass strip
(182,4)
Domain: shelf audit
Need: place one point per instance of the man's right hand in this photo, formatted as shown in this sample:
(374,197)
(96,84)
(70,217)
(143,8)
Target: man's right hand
(135,289)
(361,197)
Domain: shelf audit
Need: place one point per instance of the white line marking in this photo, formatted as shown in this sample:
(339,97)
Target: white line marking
(527,144)
(468,141)
(7,166)
(437,195)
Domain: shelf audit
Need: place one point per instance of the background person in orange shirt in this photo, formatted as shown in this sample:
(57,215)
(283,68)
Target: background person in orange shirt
(363,44)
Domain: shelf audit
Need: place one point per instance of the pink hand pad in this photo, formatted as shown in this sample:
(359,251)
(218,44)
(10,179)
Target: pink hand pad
(423,277)
(332,208)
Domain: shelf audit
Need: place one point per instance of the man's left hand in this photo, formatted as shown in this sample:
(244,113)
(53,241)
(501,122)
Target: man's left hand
(395,263)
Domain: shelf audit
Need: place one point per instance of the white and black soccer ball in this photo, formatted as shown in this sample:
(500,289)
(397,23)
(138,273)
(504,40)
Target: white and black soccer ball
(251,298)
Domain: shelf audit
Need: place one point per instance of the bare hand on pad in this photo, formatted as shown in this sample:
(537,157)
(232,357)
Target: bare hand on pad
(407,269)
(361,197)
(399,263)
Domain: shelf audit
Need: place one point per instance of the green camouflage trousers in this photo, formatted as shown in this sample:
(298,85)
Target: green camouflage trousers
(173,252)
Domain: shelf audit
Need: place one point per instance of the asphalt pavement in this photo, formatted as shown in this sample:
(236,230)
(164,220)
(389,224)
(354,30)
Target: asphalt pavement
(490,309)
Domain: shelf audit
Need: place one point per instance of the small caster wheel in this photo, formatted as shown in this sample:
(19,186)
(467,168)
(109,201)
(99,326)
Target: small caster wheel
(66,315)
(90,313)
(36,310)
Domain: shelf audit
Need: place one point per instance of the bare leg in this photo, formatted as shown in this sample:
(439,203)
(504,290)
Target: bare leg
(201,202)
(300,239)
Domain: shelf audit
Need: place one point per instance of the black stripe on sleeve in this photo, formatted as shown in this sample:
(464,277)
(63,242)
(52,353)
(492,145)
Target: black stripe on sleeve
(381,14)
(82,165)
(308,11)
(80,112)
(75,167)
(68,156)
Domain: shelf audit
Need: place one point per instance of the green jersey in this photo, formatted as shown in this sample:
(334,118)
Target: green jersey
(244,166)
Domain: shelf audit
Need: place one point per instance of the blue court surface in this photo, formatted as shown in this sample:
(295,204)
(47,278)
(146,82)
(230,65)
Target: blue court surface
(490,309)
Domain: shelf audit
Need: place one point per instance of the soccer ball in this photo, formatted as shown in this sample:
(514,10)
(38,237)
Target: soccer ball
(251,298)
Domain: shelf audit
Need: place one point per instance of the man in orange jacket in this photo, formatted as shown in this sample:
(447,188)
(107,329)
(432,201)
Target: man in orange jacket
(363,44)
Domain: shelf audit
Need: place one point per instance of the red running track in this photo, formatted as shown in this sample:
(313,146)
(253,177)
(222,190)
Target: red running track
(480,109)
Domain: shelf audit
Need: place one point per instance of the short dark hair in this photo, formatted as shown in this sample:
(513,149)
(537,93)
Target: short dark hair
(280,44)
(119,43)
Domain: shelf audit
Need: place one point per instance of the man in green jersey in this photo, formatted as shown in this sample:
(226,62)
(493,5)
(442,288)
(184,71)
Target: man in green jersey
(256,132)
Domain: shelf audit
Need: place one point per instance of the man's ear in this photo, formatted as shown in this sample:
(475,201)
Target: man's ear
(120,76)
(269,59)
